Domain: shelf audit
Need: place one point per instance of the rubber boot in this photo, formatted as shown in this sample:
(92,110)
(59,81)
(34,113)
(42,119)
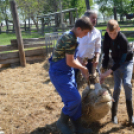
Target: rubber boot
(62,124)
(78,127)
(114,112)
(130,111)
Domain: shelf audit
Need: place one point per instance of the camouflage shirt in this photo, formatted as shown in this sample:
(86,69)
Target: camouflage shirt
(66,44)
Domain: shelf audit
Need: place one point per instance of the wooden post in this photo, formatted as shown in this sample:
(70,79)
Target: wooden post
(0,28)
(25,25)
(29,15)
(69,18)
(115,14)
(72,18)
(29,25)
(77,14)
(18,33)
(13,28)
(43,26)
(87,4)
(7,25)
(61,15)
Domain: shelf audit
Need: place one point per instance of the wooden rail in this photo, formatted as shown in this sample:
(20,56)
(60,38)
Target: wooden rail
(39,49)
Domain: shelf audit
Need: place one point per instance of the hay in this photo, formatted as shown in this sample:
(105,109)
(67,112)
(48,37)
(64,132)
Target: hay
(26,96)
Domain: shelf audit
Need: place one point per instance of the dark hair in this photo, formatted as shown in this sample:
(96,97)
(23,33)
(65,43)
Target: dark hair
(89,12)
(84,23)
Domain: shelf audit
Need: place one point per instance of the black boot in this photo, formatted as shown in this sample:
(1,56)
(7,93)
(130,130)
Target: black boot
(114,112)
(78,127)
(62,124)
(130,111)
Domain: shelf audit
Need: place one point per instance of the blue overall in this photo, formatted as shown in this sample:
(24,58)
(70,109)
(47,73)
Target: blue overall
(63,78)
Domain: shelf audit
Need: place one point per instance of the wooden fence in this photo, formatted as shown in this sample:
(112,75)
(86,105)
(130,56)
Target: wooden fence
(26,50)
(36,49)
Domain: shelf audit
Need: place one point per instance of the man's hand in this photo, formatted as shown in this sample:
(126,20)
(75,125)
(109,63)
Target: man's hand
(85,61)
(103,70)
(85,73)
(102,78)
(104,75)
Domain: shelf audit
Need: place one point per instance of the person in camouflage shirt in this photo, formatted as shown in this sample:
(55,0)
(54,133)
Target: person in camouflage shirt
(66,44)
(61,71)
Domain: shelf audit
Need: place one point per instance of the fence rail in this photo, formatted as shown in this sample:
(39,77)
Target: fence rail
(40,48)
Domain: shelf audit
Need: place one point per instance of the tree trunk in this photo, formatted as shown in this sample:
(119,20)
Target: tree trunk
(115,13)
(55,10)
(72,19)
(25,25)
(87,4)
(6,25)
(34,21)
(121,17)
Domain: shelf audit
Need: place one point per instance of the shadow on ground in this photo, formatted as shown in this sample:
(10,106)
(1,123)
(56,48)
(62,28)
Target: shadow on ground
(96,126)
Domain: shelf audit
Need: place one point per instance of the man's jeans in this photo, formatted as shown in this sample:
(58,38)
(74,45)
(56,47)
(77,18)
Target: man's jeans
(123,75)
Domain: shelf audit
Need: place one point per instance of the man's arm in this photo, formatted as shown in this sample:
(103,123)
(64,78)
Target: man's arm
(105,61)
(97,56)
(104,75)
(76,64)
(79,59)
(97,49)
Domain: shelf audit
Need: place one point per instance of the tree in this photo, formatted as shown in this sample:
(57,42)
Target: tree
(53,6)
(5,13)
(122,6)
(30,9)
(79,4)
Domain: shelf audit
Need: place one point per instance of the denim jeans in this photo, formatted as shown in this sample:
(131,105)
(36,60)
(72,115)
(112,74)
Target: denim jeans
(123,75)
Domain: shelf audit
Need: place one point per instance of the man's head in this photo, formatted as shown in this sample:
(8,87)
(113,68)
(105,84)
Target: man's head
(92,16)
(82,26)
(113,28)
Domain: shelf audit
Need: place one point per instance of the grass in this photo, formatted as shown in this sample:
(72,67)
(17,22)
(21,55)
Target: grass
(5,38)
(130,39)
(122,29)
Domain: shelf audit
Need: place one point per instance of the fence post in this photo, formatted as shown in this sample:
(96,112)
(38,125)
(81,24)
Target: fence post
(43,26)
(115,13)
(87,4)
(18,33)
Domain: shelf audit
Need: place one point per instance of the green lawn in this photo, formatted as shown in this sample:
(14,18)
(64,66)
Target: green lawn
(130,39)
(122,29)
(5,38)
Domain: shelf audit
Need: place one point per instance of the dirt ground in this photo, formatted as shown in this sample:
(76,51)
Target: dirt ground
(29,103)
